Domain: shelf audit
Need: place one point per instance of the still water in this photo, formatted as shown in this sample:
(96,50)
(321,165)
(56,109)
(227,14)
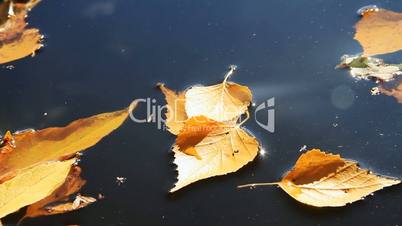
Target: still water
(101,54)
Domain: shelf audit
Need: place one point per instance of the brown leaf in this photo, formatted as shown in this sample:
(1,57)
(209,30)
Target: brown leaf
(16,40)
(327,180)
(58,143)
(380,32)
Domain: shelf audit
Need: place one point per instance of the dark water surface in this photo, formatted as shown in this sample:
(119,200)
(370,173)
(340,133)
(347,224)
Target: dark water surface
(100,55)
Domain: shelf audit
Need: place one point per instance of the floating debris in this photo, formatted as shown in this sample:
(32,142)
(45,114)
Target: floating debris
(370,68)
(120,180)
(367,9)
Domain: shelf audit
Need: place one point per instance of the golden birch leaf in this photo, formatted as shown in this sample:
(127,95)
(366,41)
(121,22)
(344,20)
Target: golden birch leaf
(222,102)
(15,40)
(326,180)
(219,154)
(379,32)
(58,143)
(176,114)
(32,185)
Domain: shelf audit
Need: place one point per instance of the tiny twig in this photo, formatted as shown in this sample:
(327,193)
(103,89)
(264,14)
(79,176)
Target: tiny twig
(257,184)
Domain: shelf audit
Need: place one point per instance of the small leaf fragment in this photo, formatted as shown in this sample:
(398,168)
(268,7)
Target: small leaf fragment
(16,41)
(396,91)
(32,185)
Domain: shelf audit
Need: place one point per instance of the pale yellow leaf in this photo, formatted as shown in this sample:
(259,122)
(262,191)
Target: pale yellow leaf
(222,102)
(219,154)
(32,185)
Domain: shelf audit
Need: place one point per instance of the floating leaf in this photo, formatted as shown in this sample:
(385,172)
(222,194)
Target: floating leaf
(32,185)
(327,180)
(222,102)
(58,143)
(370,68)
(50,205)
(379,32)
(218,154)
(176,114)
(16,41)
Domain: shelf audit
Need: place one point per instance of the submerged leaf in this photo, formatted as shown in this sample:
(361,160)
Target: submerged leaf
(32,185)
(327,180)
(16,41)
(222,102)
(379,32)
(219,154)
(58,143)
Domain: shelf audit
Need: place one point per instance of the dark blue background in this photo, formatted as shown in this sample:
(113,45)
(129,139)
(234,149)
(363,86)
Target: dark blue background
(99,55)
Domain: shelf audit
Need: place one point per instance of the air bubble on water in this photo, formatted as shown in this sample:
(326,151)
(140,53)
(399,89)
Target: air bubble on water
(366,9)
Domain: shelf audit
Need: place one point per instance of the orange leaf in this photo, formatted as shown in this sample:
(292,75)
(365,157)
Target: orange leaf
(380,32)
(194,131)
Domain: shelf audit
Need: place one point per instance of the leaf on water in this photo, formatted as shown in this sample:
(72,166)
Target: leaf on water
(379,31)
(218,154)
(51,204)
(326,180)
(176,114)
(370,68)
(32,185)
(222,102)
(16,41)
(58,143)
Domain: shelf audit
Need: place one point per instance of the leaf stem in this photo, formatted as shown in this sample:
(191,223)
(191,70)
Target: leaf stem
(232,68)
(257,184)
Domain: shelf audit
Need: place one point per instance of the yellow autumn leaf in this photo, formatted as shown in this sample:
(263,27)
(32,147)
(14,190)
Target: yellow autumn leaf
(219,153)
(16,40)
(379,32)
(32,185)
(326,180)
(51,205)
(58,143)
(176,114)
(222,102)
